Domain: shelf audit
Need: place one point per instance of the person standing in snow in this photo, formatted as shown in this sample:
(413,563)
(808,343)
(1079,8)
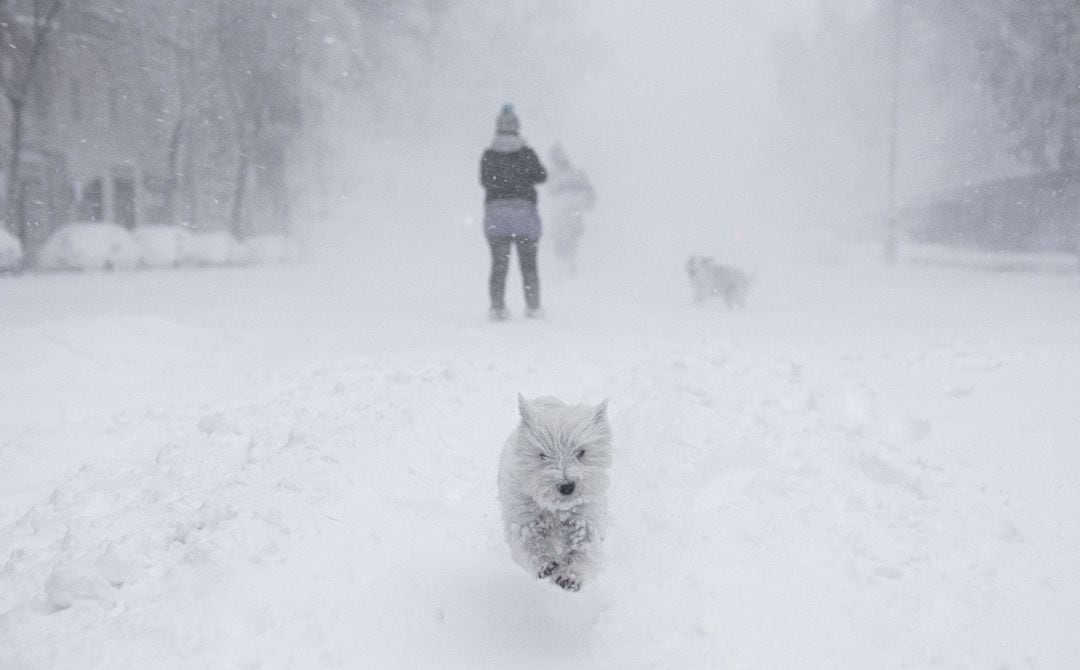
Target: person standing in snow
(571,194)
(509,173)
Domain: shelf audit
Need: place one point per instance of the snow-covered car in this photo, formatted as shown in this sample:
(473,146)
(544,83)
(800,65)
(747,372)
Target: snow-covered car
(10,251)
(162,245)
(90,245)
(269,249)
(211,247)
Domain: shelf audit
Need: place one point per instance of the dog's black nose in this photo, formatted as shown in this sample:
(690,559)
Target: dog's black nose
(567,488)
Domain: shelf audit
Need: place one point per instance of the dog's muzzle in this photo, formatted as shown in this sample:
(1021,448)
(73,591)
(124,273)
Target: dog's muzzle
(566,488)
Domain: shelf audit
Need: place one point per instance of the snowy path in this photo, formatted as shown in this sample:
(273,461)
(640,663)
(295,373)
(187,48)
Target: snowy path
(222,470)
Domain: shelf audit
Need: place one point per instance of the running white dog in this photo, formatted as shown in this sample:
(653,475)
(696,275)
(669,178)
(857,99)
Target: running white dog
(553,479)
(709,278)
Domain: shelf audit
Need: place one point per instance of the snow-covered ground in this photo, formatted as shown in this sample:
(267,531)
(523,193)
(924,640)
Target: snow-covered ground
(294,467)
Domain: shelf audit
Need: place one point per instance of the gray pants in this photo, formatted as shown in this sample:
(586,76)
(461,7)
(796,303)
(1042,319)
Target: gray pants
(500,265)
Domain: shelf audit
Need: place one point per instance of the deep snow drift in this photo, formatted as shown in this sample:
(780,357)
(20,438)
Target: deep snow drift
(295,467)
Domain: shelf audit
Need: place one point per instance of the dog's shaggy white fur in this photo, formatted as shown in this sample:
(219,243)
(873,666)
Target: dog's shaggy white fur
(709,278)
(553,479)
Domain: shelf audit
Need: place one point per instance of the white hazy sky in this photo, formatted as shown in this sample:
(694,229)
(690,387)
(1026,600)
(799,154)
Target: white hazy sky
(688,129)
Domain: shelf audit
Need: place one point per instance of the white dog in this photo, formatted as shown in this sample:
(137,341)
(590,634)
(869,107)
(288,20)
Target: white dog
(709,278)
(553,479)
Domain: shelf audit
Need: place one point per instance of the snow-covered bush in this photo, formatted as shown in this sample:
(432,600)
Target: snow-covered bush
(162,245)
(10,251)
(214,247)
(268,249)
(90,246)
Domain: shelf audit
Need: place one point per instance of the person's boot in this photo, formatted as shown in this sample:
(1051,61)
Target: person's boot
(498,314)
(534,313)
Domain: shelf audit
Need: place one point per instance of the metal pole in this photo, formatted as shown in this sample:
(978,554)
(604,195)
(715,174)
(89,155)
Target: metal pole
(891,215)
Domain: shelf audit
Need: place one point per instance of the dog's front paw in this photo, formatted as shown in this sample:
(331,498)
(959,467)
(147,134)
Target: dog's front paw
(569,582)
(547,569)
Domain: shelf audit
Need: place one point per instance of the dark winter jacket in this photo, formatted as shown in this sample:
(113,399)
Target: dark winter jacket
(511,175)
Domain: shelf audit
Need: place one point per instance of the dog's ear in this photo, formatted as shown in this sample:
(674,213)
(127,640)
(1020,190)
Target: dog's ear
(525,410)
(600,415)
(600,423)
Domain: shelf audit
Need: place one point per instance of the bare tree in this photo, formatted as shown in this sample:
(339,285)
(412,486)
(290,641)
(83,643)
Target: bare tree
(24,40)
(197,93)
(1027,54)
(259,66)
(1032,49)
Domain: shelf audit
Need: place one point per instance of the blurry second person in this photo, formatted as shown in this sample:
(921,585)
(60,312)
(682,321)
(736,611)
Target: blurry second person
(571,194)
(509,173)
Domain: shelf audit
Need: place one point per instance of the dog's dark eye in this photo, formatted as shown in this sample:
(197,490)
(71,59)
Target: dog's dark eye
(580,454)
(543,457)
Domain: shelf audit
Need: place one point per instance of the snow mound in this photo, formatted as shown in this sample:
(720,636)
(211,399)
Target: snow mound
(215,247)
(162,245)
(271,248)
(90,246)
(10,251)
(70,584)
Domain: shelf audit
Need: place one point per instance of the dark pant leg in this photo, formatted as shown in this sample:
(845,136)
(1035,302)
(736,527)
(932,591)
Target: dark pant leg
(530,277)
(500,263)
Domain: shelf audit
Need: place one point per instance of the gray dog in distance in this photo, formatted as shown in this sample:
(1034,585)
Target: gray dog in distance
(709,278)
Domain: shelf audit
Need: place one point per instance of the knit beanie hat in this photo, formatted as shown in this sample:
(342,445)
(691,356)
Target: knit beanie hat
(507,123)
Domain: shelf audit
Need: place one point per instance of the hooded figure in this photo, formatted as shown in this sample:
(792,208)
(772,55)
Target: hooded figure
(570,195)
(509,173)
